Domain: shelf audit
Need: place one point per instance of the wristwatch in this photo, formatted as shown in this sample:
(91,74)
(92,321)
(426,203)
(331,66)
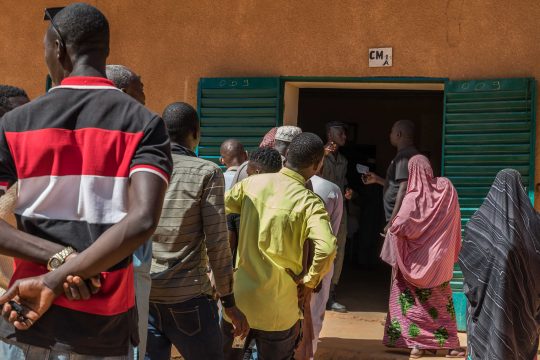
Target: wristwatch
(59,258)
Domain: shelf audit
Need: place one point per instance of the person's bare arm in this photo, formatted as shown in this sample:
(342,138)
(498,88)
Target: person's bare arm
(145,199)
(21,245)
(399,200)
(372,178)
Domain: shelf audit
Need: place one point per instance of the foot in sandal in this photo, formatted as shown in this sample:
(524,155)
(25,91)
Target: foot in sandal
(456,353)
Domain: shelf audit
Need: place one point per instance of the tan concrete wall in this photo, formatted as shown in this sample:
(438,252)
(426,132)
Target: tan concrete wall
(172,43)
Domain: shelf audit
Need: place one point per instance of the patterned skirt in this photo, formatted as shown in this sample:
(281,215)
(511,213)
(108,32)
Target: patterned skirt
(423,318)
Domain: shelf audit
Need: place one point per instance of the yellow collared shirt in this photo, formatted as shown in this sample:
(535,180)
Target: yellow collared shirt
(278,214)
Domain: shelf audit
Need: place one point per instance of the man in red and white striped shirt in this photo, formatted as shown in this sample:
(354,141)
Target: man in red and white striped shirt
(92,166)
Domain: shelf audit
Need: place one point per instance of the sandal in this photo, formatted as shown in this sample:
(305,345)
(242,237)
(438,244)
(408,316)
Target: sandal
(456,353)
(417,353)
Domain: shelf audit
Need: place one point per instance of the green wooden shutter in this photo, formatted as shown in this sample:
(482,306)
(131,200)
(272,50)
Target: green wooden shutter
(240,108)
(489,125)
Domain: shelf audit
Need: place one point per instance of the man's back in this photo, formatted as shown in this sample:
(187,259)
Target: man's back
(72,152)
(192,221)
(278,214)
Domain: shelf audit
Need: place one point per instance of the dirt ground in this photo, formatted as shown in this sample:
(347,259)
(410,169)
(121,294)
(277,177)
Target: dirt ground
(357,335)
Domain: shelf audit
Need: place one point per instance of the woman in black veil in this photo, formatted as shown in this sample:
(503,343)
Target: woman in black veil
(500,260)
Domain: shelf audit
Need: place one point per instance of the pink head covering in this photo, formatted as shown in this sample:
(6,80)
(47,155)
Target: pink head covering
(424,238)
(269,139)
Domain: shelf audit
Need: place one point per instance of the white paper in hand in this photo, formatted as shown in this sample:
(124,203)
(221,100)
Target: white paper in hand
(362,169)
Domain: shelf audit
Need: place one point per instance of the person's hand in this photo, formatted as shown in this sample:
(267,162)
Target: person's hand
(35,298)
(348,193)
(239,321)
(372,178)
(75,288)
(303,294)
(302,290)
(330,148)
(387,227)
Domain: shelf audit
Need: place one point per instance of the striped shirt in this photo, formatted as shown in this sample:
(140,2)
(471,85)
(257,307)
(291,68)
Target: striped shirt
(72,152)
(192,231)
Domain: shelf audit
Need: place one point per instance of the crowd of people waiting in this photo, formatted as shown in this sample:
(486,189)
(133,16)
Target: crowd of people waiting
(119,242)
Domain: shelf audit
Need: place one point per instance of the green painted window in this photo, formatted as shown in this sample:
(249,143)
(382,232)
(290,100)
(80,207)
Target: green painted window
(240,108)
(489,125)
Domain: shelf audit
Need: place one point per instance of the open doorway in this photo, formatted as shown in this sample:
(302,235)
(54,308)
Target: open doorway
(370,114)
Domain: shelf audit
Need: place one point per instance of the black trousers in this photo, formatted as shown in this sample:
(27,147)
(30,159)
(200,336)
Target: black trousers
(271,345)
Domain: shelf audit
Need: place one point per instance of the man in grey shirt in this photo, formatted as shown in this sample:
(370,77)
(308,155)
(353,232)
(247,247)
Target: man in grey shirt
(397,175)
(192,231)
(335,171)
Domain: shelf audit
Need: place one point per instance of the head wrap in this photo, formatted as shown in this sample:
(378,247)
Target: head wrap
(287,133)
(424,238)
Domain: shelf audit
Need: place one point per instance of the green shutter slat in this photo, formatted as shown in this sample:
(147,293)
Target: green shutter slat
(238,112)
(488,126)
(240,108)
(237,131)
(463,139)
(238,93)
(239,121)
(474,191)
(479,180)
(476,170)
(239,102)
(487,159)
(206,151)
(487,149)
(218,140)
(471,118)
(487,96)
(495,106)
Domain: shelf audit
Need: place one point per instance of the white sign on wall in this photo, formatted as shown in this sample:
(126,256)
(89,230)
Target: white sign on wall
(380,57)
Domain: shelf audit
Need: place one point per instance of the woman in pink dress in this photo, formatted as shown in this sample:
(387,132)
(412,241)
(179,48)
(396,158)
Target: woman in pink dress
(422,245)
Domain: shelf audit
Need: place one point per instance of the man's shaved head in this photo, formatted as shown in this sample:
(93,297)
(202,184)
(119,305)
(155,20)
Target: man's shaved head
(402,133)
(406,127)
(232,153)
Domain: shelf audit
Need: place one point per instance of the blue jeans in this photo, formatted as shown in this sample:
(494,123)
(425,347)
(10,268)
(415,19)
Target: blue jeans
(142,261)
(191,326)
(13,350)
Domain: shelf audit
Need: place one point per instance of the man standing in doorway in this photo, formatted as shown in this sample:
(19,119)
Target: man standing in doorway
(279,214)
(397,175)
(192,231)
(335,170)
(233,155)
(130,83)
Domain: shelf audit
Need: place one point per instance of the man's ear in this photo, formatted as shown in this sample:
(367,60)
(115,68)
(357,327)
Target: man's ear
(221,161)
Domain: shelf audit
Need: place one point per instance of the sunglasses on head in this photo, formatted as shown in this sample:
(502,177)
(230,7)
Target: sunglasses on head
(50,17)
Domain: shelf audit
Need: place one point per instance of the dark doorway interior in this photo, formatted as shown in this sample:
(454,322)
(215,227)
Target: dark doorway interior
(370,115)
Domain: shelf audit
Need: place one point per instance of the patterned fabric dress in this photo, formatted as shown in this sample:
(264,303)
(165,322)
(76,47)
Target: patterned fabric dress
(424,318)
(422,245)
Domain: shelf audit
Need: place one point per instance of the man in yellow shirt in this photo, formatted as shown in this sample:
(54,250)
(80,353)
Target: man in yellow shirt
(278,214)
